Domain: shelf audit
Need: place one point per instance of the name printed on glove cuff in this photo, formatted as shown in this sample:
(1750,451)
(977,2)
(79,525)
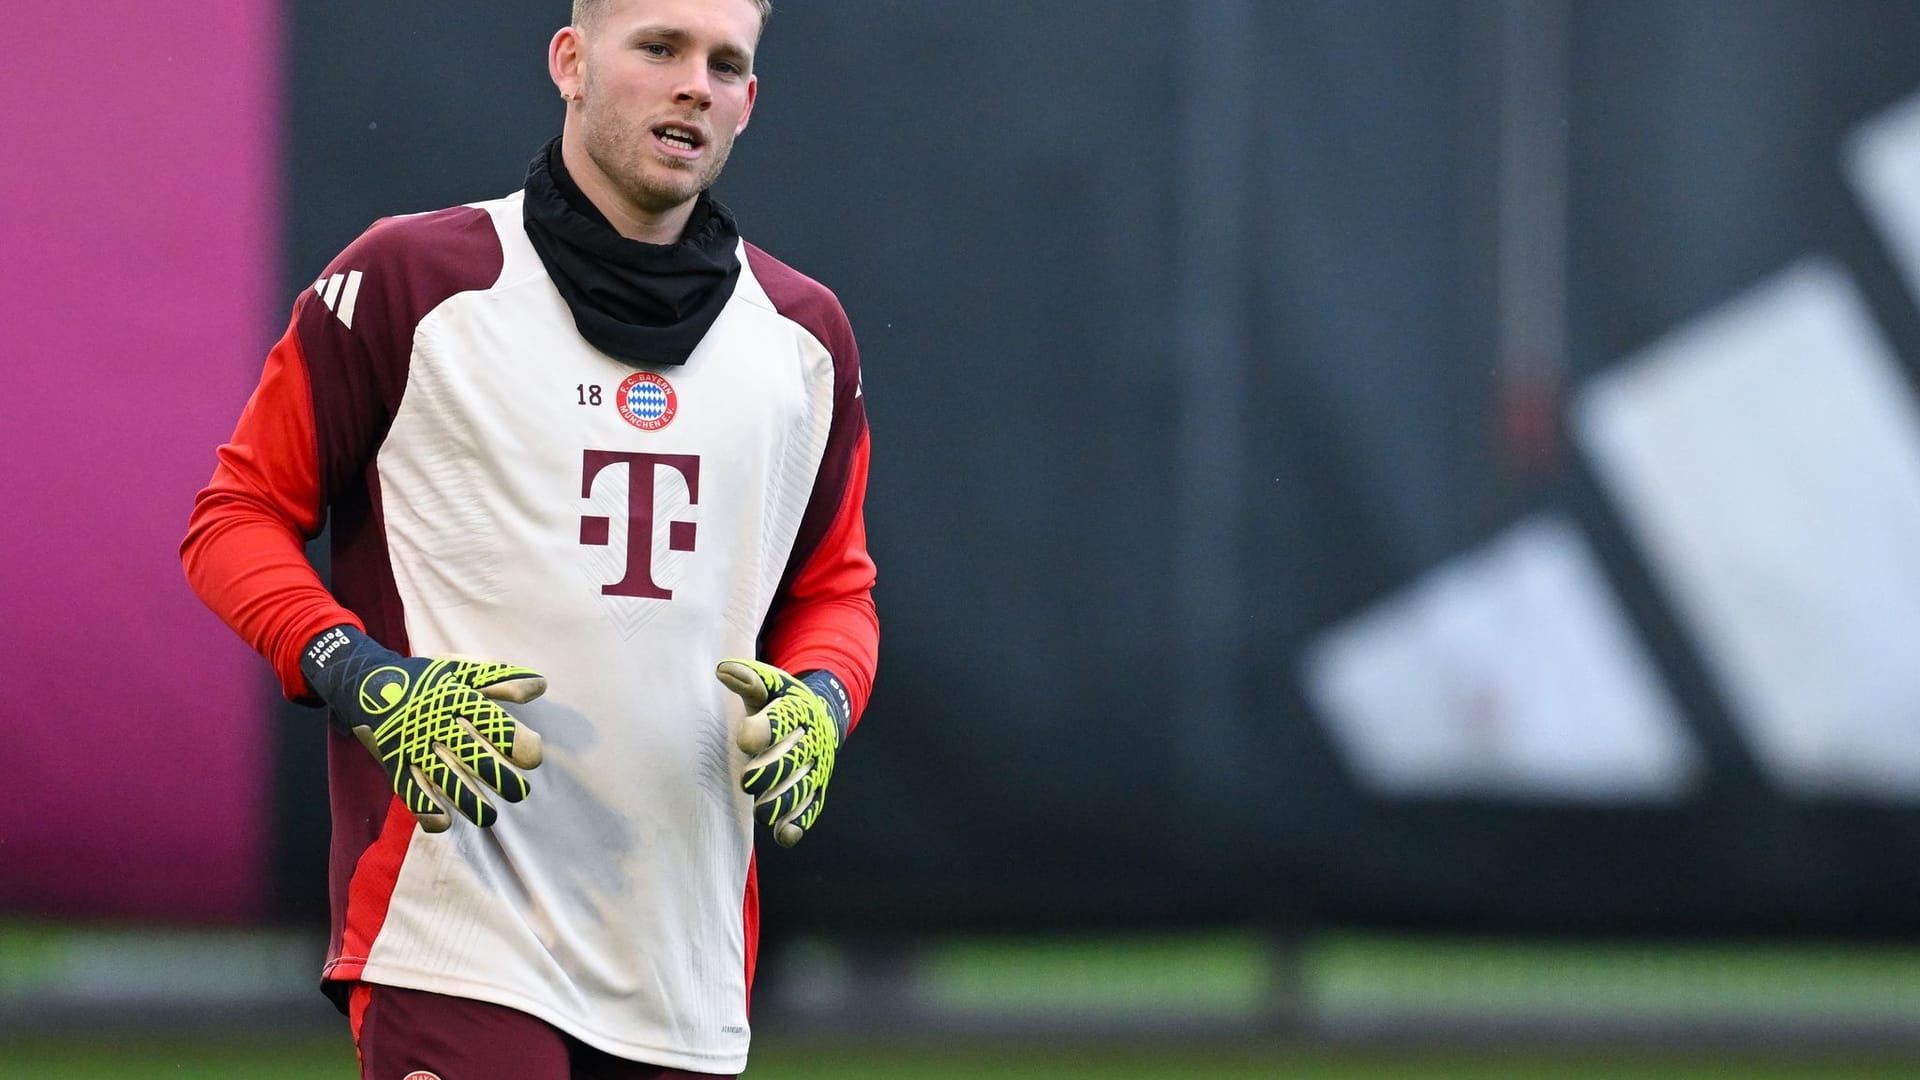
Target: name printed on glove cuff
(330,641)
(839,702)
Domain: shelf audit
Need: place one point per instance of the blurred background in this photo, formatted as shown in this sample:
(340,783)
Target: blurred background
(1398,525)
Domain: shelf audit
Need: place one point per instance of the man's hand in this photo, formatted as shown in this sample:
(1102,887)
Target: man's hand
(793,729)
(433,723)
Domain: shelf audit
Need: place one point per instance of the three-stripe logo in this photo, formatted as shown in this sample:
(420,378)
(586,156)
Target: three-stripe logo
(338,292)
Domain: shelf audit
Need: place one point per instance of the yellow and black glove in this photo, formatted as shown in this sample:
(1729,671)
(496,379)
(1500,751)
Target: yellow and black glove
(435,724)
(794,727)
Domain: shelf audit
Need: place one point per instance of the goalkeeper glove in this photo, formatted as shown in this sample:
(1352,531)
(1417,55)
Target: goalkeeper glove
(794,726)
(433,723)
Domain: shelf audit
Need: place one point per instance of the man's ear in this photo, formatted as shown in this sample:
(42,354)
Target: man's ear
(565,54)
(753,93)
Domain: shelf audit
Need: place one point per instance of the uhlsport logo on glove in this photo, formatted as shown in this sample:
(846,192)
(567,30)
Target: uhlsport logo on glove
(382,689)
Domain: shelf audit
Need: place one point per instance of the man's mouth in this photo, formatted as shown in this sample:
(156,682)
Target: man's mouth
(679,138)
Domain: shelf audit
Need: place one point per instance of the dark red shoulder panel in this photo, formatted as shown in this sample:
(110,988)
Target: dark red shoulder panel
(814,306)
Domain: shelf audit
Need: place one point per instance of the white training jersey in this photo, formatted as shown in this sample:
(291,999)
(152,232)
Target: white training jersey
(501,489)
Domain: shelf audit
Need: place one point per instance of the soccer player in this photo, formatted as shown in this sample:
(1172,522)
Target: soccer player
(589,434)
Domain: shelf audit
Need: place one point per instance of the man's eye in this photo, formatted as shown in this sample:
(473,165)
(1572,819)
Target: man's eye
(654,48)
(725,68)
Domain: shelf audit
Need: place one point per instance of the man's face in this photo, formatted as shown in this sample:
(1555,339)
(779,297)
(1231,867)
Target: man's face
(666,85)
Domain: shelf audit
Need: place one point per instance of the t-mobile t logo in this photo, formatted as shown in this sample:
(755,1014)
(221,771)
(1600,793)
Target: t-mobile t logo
(594,531)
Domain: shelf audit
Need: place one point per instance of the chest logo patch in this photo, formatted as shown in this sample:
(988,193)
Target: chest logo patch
(647,401)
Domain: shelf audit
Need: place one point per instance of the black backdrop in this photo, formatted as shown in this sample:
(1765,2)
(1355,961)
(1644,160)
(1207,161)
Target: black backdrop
(1177,323)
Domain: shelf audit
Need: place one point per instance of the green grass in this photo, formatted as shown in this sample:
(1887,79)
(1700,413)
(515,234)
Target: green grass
(154,1059)
(1672,981)
(332,1059)
(1281,1064)
(1238,975)
(1209,973)
(1228,980)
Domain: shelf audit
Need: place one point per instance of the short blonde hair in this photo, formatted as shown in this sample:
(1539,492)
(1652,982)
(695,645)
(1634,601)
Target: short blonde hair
(586,10)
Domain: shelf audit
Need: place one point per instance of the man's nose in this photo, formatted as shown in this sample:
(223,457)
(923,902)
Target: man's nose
(696,87)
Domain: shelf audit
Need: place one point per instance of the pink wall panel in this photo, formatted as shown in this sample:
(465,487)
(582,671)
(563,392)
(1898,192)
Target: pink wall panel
(137,294)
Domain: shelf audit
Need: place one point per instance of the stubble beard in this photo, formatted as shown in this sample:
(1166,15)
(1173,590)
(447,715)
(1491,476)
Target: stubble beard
(650,180)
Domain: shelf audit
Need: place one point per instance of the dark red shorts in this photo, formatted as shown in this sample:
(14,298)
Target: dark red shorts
(414,1035)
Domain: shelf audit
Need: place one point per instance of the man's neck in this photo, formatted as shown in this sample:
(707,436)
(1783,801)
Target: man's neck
(627,219)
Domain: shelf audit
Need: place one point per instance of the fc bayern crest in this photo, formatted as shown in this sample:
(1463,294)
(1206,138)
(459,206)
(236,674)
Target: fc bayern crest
(647,401)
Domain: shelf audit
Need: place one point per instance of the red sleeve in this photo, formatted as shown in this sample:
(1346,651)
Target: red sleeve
(245,549)
(826,617)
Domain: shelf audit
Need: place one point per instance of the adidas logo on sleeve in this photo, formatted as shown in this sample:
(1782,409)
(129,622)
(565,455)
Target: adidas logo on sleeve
(339,292)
